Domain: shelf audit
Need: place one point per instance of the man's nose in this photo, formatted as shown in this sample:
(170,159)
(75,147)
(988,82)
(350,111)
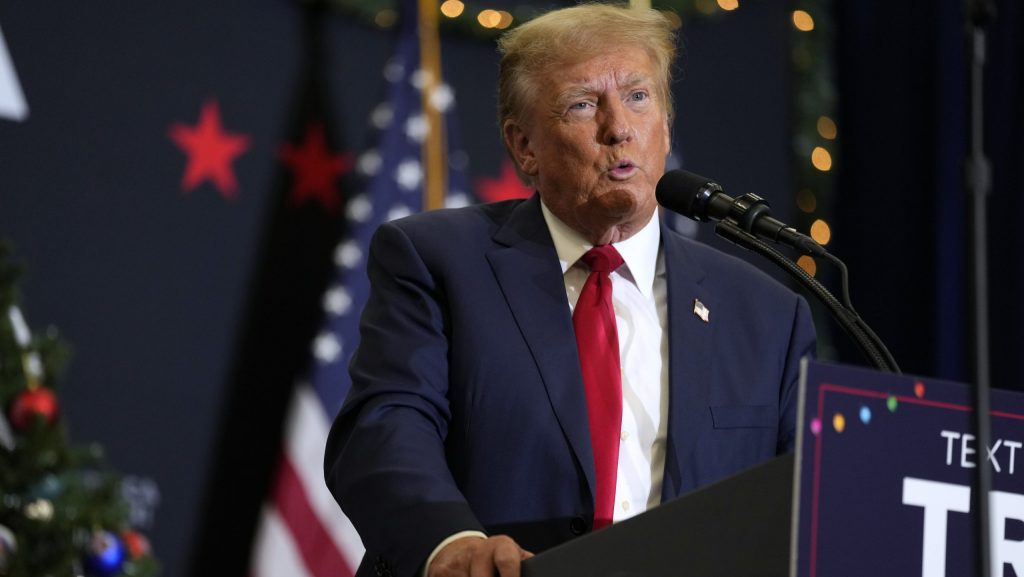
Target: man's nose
(615,125)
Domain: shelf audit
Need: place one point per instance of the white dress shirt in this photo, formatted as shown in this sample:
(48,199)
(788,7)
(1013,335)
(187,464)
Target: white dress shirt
(640,299)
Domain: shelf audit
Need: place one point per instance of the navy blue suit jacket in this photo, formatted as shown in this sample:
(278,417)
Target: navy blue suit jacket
(467,408)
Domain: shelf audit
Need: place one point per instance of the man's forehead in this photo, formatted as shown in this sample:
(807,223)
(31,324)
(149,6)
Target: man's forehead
(629,65)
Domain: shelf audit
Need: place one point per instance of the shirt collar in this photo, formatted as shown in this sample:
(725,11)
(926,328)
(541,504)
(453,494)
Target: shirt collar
(640,251)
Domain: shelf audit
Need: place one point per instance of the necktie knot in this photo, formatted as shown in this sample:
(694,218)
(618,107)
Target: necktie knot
(602,259)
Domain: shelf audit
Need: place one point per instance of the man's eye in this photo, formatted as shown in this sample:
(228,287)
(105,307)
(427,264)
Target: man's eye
(579,106)
(638,96)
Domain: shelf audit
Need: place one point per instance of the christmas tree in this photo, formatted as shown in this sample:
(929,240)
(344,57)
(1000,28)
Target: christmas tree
(62,511)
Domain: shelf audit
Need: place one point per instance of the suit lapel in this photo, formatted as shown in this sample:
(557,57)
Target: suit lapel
(526,268)
(690,352)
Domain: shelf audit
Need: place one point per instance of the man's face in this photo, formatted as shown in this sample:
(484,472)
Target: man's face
(595,142)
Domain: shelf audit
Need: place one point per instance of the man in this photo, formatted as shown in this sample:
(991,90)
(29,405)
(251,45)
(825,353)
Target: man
(474,432)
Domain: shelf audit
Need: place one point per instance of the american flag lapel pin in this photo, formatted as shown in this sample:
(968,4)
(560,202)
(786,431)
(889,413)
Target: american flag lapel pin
(701,311)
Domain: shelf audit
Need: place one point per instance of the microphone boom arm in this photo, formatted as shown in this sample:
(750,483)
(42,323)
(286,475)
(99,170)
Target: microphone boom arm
(855,327)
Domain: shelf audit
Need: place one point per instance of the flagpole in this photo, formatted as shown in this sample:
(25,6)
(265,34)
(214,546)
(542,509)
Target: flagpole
(434,144)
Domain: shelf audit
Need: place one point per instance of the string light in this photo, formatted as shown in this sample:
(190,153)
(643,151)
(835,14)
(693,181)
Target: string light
(460,18)
(827,128)
(504,21)
(452,8)
(385,18)
(806,201)
(488,18)
(706,6)
(821,159)
(803,21)
(814,130)
(808,264)
(821,232)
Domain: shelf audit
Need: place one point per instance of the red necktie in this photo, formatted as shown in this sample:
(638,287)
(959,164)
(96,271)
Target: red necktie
(597,340)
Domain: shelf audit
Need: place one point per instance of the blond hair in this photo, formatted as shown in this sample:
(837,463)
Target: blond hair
(572,35)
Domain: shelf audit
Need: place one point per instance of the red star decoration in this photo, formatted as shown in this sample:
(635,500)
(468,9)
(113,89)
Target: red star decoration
(210,151)
(315,169)
(507,186)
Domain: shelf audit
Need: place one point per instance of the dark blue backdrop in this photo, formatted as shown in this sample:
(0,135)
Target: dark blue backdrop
(901,211)
(176,370)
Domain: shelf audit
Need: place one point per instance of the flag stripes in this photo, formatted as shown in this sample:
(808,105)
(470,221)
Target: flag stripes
(394,178)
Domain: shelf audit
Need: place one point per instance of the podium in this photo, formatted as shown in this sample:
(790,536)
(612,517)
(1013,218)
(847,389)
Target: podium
(879,485)
(728,529)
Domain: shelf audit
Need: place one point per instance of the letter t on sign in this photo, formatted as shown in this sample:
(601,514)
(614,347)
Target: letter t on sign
(1005,506)
(938,499)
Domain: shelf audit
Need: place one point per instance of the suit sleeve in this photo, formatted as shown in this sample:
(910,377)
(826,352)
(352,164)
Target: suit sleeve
(385,459)
(802,343)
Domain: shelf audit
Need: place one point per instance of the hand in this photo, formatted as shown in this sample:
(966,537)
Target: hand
(479,557)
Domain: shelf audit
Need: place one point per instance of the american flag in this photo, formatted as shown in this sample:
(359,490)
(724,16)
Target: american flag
(302,531)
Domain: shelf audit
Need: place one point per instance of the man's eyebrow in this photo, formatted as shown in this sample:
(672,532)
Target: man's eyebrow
(577,91)
(635,78)
(585,88)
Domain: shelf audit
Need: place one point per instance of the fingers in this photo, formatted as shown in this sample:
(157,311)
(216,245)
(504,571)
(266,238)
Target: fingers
(498,556)
(454,559)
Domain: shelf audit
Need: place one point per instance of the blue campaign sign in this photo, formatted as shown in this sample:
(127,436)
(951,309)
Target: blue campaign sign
(886,468)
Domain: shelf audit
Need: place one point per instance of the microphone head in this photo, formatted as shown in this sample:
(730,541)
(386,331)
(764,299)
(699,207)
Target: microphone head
(686,193)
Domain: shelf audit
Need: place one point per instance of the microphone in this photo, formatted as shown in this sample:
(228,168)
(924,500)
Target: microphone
(703,200)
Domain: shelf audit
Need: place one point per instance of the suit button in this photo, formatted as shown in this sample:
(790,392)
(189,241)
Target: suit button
(578,525)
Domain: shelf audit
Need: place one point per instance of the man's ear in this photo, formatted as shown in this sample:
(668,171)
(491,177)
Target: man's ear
(518,144)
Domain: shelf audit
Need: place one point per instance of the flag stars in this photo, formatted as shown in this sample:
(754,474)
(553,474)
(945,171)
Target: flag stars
(409,175)
(420,79)
(417,127)
(394,70)
(326,348)
(359,209)
(381,116)
(398,211)
(442,97)
(338,300)
(348,254)
(456,199)
(369,162)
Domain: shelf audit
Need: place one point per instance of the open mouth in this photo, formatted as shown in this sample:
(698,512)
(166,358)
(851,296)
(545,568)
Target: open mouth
(622,169)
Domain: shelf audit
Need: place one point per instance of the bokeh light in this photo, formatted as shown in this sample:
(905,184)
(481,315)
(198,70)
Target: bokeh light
(821,159)
(803,21)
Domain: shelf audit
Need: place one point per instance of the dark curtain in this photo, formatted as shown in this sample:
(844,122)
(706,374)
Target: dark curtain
(901,208)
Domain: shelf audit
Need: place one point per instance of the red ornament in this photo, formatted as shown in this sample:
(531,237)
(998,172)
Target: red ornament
(136,543)
(40,401)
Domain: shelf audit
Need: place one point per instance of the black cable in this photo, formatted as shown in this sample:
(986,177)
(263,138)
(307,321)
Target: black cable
(866,340)
(844,275)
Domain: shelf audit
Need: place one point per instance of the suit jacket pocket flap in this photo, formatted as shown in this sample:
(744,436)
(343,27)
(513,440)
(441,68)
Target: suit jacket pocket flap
(740,416)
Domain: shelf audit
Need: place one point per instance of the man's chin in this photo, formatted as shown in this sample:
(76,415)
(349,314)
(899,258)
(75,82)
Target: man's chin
(624,203)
